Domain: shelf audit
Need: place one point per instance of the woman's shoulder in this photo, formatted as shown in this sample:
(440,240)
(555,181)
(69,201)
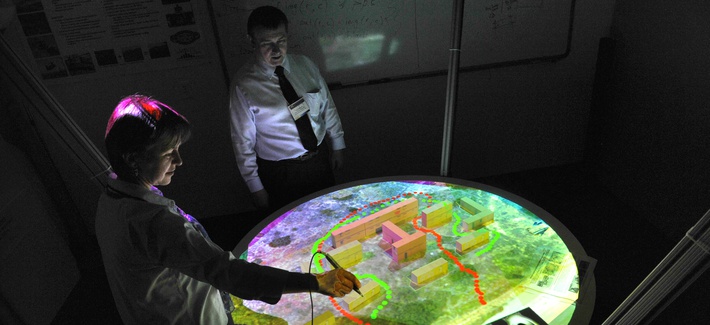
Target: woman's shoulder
(133,209)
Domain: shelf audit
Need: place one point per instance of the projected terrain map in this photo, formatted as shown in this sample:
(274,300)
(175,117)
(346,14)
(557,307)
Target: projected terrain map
(425,253)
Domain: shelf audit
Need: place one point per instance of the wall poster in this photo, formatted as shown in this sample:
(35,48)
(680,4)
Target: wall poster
(70,38)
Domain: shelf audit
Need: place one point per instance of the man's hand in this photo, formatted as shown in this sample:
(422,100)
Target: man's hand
(337,159)
(261,199)
(336,283)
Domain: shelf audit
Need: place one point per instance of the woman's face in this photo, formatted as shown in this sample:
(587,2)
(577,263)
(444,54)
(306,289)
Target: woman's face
(157,166)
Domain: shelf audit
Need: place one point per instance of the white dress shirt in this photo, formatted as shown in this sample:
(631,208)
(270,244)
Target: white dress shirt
(261,123)
(163,270)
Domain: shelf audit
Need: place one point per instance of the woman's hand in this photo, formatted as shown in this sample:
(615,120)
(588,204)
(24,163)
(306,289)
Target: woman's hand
(336,283)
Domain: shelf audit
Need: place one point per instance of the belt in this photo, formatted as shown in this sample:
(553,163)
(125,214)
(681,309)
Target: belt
(305,156)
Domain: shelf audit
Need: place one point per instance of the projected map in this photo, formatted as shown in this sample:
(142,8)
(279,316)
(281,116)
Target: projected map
(425,253)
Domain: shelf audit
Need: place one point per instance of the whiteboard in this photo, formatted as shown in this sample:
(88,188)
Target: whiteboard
(355,41)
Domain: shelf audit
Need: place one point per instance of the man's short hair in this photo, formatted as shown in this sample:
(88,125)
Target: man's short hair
(267,17)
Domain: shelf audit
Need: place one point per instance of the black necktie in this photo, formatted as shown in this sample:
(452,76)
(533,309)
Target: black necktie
(303,124)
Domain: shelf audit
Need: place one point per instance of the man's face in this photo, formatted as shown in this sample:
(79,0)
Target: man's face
(270,45)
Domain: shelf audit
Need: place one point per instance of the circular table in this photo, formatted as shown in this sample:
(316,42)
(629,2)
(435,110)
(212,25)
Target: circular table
(427,250)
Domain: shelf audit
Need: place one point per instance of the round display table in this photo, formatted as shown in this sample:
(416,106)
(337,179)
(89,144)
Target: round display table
(427,250)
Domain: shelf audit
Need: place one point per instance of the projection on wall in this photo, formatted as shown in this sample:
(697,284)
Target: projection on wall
(344,53)
(354,41)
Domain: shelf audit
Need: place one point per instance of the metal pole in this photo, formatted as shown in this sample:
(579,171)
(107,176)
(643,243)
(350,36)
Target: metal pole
(68,132)
(452,84)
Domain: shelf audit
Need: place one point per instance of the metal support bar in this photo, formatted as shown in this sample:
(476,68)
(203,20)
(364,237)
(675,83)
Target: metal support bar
(452,85)
(676,272)
(87,154)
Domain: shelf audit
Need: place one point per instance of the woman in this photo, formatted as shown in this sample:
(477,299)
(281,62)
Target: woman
(161,266)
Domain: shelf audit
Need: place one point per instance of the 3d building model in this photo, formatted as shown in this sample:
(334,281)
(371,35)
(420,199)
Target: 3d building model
(470,242)
(416,260)
(437,215)
(404,247)
(348,255)
(326,318)
(482,216)
(367,227)
(429,272)
(370,292)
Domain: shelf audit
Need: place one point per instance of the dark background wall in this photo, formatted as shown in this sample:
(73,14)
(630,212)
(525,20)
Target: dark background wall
(651,137)
(508,119)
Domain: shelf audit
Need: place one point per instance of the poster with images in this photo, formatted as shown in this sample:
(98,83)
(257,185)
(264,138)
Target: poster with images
(72,38)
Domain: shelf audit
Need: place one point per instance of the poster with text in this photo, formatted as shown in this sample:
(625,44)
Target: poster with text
(72,38)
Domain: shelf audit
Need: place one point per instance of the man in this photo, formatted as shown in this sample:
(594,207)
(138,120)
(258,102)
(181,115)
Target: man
(280,113)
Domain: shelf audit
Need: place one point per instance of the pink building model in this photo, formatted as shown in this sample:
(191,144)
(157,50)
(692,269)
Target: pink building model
(404,247)
(367,227)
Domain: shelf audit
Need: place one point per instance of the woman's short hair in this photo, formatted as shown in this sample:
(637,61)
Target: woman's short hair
(267,17)
(140,123)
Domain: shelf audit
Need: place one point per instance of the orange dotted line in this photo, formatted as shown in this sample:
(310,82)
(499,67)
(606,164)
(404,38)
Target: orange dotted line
(438,242)
(473,273)
(345,313)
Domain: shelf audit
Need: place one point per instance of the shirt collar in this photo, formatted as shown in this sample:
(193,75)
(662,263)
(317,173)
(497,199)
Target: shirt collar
(152,195)
(269,70)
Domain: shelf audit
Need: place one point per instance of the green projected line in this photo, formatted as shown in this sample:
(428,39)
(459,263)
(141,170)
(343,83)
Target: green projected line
(319,243)
(496,235)
(385,286)
(456,225)
(381,306)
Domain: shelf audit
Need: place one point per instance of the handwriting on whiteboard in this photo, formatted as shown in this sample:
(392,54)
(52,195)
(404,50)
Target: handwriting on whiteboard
(503,13)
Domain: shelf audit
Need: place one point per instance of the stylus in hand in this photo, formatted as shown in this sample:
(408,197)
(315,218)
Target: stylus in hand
(337,266)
